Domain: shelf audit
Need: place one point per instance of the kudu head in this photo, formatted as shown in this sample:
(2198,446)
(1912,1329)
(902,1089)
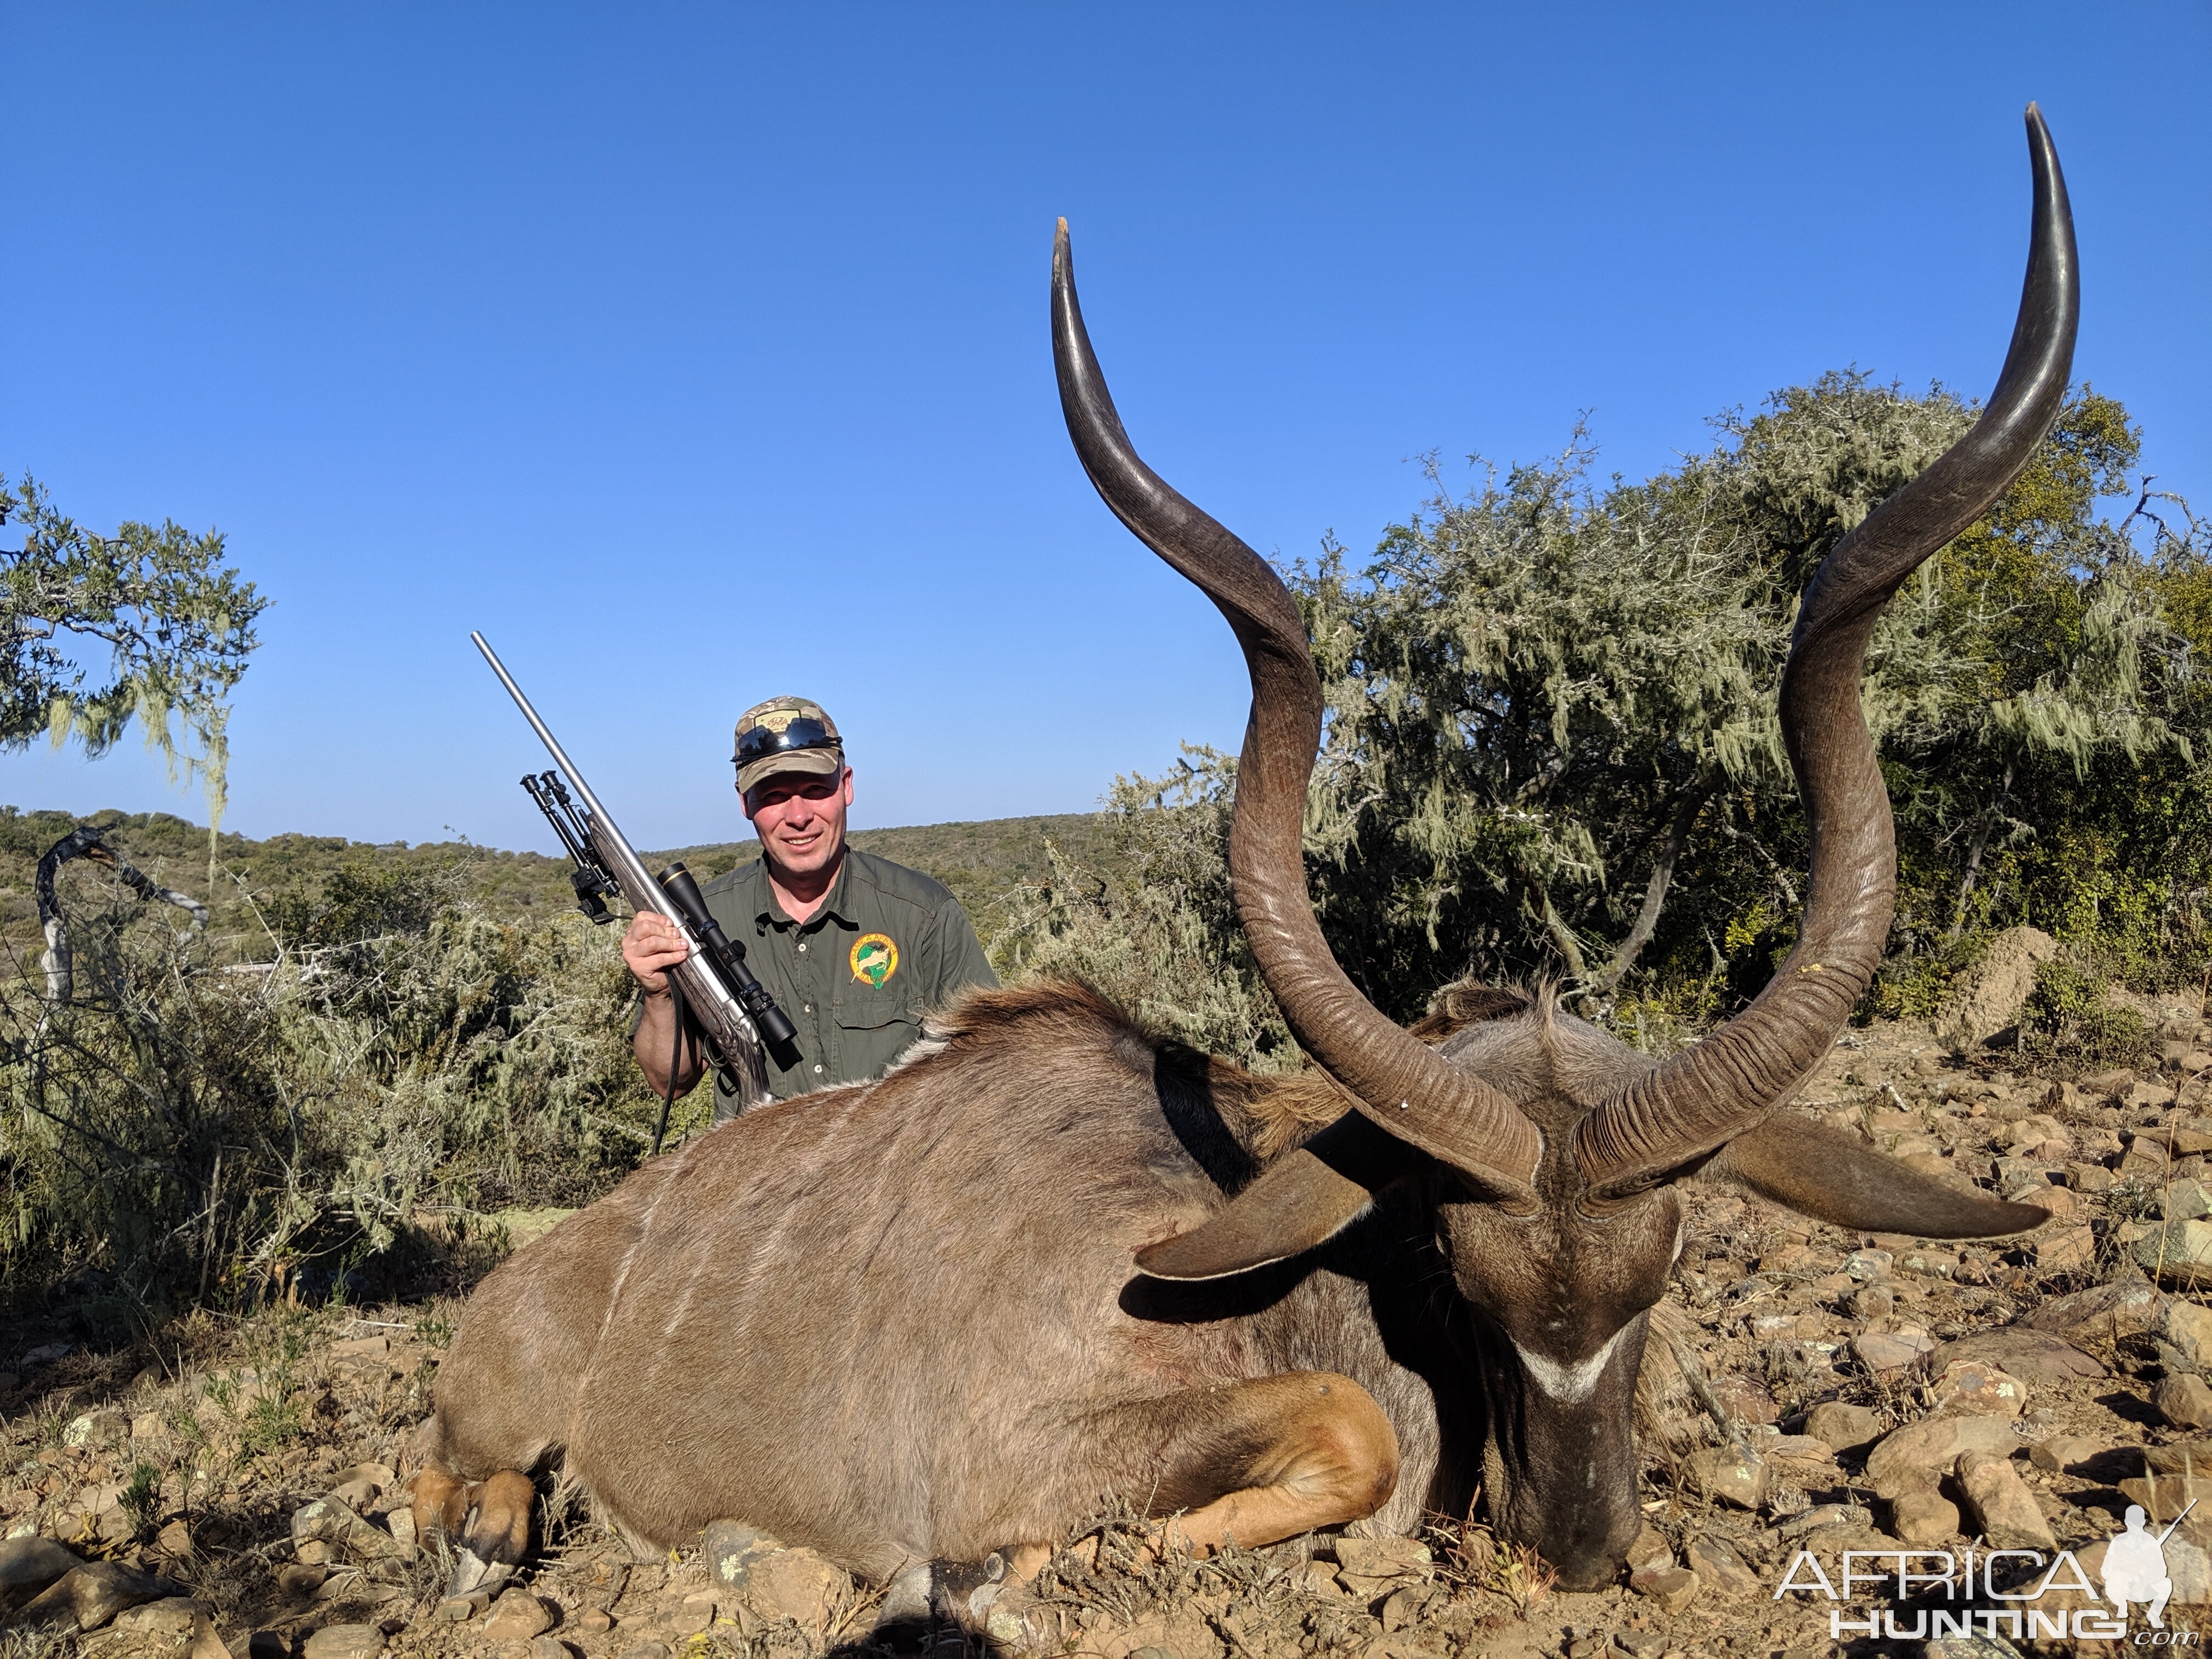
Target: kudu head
(1548,1154)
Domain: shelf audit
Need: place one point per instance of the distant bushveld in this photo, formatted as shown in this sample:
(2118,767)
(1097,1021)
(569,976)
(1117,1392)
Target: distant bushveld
(365,1043)
(1551,753)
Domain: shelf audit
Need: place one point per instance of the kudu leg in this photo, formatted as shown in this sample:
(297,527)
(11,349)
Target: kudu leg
(487,1522)
(1250,1463)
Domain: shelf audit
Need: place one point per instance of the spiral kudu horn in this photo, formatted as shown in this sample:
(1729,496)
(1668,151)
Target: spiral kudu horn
(1395,1080)
(1708,1095)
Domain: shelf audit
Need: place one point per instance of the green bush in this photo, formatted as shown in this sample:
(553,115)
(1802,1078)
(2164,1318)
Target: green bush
(2070,1016)
(196,1129)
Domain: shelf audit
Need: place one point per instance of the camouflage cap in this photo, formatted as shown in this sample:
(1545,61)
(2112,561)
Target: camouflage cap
(786,734)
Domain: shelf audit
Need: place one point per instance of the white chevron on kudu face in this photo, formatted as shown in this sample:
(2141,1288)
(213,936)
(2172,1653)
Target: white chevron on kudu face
(1568,1381)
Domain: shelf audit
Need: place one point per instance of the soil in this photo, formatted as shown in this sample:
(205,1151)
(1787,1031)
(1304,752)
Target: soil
(191,1455)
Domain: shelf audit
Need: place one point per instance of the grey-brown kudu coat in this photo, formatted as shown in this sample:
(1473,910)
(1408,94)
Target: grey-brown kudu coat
(1050,1259)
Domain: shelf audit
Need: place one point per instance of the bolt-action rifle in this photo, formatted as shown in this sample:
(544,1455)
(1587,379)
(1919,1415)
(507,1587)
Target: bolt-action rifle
(719,999)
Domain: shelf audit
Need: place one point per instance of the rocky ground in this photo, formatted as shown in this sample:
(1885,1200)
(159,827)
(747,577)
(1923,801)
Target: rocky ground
(231,1490)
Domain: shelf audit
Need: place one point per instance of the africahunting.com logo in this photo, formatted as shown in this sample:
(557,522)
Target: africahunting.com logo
(2000,1592)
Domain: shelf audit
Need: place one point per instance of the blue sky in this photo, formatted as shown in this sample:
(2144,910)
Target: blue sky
(698,354)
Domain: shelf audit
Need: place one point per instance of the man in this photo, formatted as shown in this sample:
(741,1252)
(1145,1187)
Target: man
(853,948)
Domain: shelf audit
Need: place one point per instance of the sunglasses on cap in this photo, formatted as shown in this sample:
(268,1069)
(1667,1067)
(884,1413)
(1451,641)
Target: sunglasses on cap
(801,733)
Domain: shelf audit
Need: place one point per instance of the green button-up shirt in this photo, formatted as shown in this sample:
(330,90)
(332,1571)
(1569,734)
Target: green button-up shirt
(887,946)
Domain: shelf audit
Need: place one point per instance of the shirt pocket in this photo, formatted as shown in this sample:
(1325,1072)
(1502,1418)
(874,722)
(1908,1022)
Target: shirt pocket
(871,1033)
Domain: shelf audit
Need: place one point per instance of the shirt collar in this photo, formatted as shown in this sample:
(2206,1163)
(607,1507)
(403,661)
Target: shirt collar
(771,913)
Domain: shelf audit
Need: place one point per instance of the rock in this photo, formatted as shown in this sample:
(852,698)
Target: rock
(1370,1566)
(147,1426)
(1403,1606)
(2064,1249)
(1825,1515)
(1650,1551)
(1874,1302)
(106,1427)
(729,1548)
(1846,1428)
(797,1584)
(2103,1313)
(2185,1200)
(1719,1568)
(328,1521)
(2190,1569)
(1976,1388)
(27,1565)
(2184,1457)
(2001,1504)
(165,1620)
(343,1642)
(2177,1252)
(358,1486)
(1746,1400)
(518,1615)
(1907,1456)
(2066,1451)
(1319,1578)
(89,1595)
(1891,1351)
(269,1645)
(1182,1635)
(1923,1518)
(1796,1448)
(1673,1588)
(205,1643)
(549,1647)
(1866,1266)
(2164,1497)
(2034,1357)
(693,1615)
(2039,1135)
(646,1651)
(1988,998)
(1729,1475)
(2189,1329)
(2184,1400)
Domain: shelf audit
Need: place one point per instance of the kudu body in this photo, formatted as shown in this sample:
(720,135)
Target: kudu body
(899,1321)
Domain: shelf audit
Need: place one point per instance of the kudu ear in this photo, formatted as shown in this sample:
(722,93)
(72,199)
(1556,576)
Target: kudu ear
(1832,1176)
(1304,1198)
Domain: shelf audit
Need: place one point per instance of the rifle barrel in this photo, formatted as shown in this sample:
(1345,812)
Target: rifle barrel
(632,865)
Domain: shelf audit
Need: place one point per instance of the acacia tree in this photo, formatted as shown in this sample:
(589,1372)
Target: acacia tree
(176,623)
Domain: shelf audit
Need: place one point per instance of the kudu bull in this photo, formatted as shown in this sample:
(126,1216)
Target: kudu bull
(898,1322)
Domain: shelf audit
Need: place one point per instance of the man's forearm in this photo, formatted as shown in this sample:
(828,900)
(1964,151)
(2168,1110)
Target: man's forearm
(655,1038)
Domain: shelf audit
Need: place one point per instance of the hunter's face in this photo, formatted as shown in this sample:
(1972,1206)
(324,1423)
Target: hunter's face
(800,819)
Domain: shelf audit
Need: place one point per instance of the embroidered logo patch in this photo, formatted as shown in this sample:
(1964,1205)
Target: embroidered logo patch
(874,958)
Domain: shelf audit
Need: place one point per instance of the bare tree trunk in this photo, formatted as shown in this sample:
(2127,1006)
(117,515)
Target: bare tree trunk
(1655,891)
(1563,937)
(1975,848)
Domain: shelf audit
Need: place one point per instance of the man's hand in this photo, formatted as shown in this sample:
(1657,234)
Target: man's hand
(650,947)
